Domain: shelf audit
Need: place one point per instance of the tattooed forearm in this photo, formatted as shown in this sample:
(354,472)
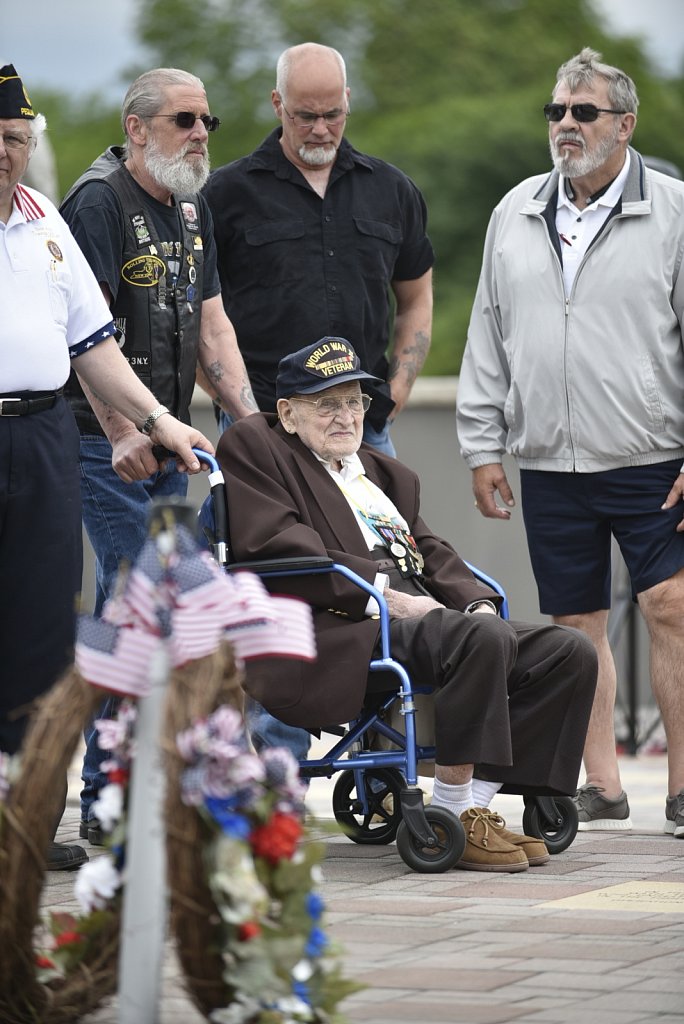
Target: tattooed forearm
(215,371)
(410,359)
(246,396)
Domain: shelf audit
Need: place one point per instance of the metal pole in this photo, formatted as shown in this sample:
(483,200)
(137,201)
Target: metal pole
(144,905)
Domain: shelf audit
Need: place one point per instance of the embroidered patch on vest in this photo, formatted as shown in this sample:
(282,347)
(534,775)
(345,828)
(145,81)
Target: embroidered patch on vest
(143,271)
(140,229)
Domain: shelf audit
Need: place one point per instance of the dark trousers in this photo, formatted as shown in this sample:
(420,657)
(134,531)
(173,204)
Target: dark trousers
(40,559)
(512,698)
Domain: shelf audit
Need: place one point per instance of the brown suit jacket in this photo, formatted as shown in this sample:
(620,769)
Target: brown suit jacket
(282,502)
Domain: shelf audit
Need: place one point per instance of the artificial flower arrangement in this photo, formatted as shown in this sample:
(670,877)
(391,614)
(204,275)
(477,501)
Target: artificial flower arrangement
(261,871)
(262,875)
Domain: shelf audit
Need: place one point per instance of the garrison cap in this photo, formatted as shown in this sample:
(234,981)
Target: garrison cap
(14,101)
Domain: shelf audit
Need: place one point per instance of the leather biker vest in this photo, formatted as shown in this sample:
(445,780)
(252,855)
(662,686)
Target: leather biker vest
(157,314)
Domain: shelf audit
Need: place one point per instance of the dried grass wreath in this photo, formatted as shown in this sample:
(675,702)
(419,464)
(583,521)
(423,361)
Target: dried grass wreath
(34,801)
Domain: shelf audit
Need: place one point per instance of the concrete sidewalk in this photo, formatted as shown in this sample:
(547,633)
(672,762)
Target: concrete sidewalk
(597,934)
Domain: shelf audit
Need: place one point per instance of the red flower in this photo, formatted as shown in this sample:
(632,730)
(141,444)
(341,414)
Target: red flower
(277,839)
(44,961)
(67,939)
(248,930)
(118,776)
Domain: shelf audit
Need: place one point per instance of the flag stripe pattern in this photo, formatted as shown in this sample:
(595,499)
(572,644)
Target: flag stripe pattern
(183,596)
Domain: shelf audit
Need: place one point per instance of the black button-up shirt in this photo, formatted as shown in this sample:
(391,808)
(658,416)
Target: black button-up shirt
(295,267)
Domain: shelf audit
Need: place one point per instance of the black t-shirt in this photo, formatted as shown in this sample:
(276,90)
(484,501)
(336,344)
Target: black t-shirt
(295,267)
(96,222)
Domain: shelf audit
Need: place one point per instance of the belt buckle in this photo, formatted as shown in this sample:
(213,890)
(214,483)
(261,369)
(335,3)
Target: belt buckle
(6,412)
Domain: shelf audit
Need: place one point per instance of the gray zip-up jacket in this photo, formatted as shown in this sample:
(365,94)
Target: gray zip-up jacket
(588,382)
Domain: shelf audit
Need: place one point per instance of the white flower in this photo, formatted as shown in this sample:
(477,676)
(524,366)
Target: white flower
(295,1007)
(108,807)
(302,971)
(96,883)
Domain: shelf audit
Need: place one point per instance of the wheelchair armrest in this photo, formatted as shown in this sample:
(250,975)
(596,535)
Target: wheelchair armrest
(282,565)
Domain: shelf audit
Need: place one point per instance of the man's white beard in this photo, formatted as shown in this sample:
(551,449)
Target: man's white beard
(572,166)
(177,173)
(319,156)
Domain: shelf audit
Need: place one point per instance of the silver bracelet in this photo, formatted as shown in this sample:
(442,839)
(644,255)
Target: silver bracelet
(149,423)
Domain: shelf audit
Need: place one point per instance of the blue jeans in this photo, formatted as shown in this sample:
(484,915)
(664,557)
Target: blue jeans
(115,519)
(379,439)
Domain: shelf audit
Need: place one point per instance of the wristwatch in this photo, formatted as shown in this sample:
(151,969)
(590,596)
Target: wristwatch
(476,604)
(149,423)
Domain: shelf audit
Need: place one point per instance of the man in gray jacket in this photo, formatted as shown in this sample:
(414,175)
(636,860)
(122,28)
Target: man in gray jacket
(575,366)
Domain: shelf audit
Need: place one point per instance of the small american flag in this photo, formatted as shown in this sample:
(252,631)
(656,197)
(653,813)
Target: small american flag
(186,597)
(117,658)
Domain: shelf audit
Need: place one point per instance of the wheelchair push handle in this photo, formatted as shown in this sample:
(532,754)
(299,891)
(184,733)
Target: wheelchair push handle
(217,493)
(210,460)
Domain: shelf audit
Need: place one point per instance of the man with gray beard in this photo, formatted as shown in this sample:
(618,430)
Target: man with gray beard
(146,232)
(316,239)
(575,366)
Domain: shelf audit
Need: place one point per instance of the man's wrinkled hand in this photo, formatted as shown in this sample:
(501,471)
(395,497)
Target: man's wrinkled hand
(181,439)
(409,606)
(674,497)
(132,457)
(487,480)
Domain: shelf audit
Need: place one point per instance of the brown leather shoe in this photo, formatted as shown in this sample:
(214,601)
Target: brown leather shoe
(486,849)
(533,848)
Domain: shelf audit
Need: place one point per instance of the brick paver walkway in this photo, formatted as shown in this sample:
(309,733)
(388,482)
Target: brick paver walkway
(597,935)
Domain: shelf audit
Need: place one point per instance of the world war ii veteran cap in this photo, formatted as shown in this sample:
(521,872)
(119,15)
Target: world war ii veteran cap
(319,366)
(14,101)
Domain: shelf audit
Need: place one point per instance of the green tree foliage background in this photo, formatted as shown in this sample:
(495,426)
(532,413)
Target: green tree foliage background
(449,90)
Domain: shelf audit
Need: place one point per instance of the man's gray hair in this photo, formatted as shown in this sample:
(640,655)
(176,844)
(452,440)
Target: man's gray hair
(147,95)
(285,61)
(584,67)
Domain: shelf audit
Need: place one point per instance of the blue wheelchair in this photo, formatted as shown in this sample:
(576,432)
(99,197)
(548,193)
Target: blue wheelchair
(376,798)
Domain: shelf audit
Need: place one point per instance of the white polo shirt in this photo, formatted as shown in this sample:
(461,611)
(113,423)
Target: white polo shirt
(52,306)
(578,228)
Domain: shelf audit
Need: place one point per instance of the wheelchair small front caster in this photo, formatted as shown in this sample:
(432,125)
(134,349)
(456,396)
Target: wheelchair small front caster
(444,853)
(553,819)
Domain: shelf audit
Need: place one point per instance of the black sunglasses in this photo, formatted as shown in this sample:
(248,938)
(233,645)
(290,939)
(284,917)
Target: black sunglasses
(582,112)
(186,119)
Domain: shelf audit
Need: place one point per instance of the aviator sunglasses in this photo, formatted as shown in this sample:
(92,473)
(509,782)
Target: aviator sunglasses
(582,112)
(186,119)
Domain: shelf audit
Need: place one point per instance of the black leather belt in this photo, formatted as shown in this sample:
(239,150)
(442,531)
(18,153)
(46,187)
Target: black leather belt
(23,403)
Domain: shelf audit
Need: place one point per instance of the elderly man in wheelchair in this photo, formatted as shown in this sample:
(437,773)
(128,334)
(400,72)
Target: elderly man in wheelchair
(511,699)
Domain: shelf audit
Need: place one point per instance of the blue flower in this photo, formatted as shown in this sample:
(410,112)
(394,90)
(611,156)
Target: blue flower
(317,943)
(315,905)
(230,822)
(301,989)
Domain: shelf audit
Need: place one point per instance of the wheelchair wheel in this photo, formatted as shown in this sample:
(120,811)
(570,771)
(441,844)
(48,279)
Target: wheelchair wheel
(382,787)
(557,834)
(451,842)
